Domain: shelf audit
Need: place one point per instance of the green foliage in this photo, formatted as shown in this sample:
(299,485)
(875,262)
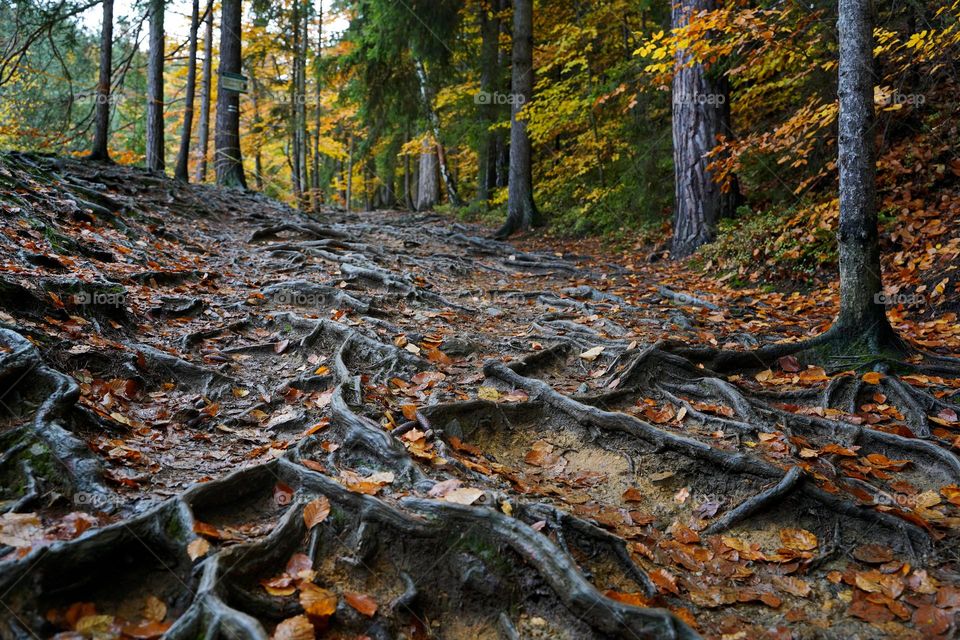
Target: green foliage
(765,243)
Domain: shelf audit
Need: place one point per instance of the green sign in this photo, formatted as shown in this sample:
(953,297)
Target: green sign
(233,82)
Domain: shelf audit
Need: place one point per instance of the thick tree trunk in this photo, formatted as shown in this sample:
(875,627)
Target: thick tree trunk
(861,306)
(426,94)
(522,213)
(699,105)
(296,158)
(302,104)
(203,134)
(428,187)
(489,48)
(183,156)
(227,158)
(502,160)
(102,132)
(155,146)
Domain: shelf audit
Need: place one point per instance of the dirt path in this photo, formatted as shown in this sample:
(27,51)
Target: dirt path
(219,415)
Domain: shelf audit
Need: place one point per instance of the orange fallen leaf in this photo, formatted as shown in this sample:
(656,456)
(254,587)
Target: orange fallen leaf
(364,604)
(316,511)
(295,628)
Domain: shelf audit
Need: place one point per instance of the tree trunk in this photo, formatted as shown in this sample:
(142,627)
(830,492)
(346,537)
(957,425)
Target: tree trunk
(862,311)
(203,134)
(257,129)
(183,157)
(294,114)
(227,158)
(487,147)
(426,94)
(302,104)
(522,212)
(428,188)
(315,179)
(102,133)
(155,147)
(699,105)
(349,195)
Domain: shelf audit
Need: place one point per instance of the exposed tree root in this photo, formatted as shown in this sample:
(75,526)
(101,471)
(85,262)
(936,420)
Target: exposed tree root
(45,455)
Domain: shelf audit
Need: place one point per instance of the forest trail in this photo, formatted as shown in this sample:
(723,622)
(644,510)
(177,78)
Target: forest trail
(230,416)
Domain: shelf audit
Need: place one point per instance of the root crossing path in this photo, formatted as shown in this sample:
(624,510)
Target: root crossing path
(224,419)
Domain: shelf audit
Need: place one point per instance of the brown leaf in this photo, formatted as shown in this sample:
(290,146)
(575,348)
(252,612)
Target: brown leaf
(317,602)
(790,364)
(362,603)
(665,581)
(281,346)
(873,553)
(198,548)
(316,511)
(798,539)
(282,494)
(931,620)
(295,628)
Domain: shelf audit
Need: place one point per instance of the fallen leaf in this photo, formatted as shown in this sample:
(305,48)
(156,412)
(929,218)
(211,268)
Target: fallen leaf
(665,581)
(198,548)
(592,354)
(798,539)
(362,603)
(873,553)
(295,628)
(316,511)
(464,495)
(317,602)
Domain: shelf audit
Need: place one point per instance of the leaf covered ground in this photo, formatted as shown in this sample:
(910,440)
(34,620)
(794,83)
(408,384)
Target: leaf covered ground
(222,418)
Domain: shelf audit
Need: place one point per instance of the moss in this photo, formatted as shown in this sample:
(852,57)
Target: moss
(478,546)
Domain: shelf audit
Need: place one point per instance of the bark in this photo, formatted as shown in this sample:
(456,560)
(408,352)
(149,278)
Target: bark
(183,157)
(255,92)
(426,94)
(699,105)
(155,146)
(296,158)
(203,133)
(302,104)
(102,132)
(487,148)
(428,187)
(227,158)
(315,178)
(861,308)
(349,195)
(522,212)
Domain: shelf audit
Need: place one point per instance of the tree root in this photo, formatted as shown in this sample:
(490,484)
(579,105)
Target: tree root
(46,454)
(762,500)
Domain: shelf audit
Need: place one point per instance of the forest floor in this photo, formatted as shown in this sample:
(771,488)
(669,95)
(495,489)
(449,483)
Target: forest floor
(223,418)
